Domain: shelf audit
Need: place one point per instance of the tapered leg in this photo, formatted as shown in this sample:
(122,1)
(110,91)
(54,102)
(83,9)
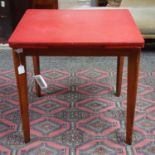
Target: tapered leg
(23,95)
(36,66)
(133,69)
(120,63)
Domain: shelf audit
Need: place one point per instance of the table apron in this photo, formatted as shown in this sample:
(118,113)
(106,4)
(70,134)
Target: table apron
(79,51)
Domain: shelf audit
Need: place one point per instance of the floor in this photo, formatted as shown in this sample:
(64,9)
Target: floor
(63,121)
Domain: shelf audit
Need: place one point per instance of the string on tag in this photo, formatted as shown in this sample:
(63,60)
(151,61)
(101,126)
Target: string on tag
(21,69)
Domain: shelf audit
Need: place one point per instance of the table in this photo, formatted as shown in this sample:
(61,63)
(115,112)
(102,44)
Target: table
(77,33)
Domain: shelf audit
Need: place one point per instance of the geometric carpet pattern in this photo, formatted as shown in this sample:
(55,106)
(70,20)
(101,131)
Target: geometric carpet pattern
(78,114)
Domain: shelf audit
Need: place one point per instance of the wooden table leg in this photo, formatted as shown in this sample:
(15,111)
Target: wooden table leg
(120,63)
(133,69)
(23,95)
(36,66)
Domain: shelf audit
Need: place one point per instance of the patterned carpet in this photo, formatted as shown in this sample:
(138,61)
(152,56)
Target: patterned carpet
(78,114)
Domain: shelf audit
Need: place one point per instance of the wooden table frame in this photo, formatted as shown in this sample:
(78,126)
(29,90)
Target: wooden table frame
(132,53)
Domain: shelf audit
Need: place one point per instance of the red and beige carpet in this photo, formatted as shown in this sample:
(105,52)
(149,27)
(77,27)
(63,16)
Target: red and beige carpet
(79,113)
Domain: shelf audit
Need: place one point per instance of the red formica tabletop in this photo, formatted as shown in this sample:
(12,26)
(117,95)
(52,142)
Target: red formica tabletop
(47,28)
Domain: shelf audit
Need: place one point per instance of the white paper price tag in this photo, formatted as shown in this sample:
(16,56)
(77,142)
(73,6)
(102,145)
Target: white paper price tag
(19,50)
(3,4)
(21,69)
(41,82)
